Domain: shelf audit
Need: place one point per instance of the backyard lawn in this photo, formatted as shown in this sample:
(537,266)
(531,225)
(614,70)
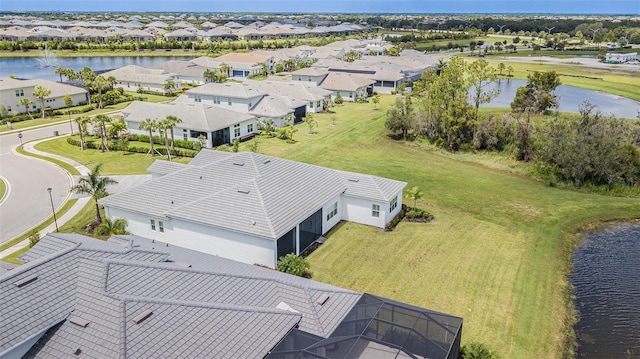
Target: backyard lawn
(497,253)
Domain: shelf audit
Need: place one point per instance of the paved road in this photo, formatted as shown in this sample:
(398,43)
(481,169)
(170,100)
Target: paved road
(27,202)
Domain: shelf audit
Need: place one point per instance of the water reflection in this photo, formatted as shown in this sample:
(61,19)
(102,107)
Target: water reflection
(570,98)
(606,276)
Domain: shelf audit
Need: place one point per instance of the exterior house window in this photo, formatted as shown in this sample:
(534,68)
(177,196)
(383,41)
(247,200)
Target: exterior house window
(350,94)
(310,104)
(185,136)
(250,128)
(318,104)
(19,93)
(375,210)
(229,100)
(216,100)
(393,204)
(161,226)
(198,98)
(332,211)
(236,130)
(153,224)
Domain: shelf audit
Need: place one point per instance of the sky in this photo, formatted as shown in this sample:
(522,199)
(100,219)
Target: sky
(335,6)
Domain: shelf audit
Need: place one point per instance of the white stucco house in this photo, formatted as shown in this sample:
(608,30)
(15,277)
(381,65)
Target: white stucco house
(134,77)
(250,207)
(13,90)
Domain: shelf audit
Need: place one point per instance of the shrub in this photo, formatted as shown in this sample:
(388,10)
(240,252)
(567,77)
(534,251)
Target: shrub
(477,351)
(34,238)
(293,264)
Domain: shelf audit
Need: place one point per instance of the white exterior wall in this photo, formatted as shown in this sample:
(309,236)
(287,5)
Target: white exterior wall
(359,210)
(9,100)
(328,224)
(232,245)
(243,129)
(308,79)
(133,86)
(389,215)
(315,106)
(237,104)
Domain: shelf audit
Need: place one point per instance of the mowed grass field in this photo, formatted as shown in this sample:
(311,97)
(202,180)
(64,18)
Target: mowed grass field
(497,253)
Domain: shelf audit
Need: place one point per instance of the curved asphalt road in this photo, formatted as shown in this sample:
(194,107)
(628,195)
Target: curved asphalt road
(27,201)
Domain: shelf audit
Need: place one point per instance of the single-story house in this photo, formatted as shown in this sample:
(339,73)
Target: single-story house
(13,90)
(183,71)
(314,75)
(251,207)
(349,86)
(218,125)
(245,64)
(133,297)
(134,77)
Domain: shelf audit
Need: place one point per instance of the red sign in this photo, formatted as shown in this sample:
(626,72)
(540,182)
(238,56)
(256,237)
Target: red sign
(19,135)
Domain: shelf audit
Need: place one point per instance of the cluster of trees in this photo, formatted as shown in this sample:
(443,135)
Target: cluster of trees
(591,148)
(90,81)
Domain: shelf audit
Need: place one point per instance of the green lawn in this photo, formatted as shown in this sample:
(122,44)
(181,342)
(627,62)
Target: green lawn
(3,189)
(497,253)
(114,162)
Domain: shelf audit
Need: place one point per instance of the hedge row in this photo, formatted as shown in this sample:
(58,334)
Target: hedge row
(158,140)
(92,144)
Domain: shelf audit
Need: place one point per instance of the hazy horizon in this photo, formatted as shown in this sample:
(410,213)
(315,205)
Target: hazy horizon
(480,7)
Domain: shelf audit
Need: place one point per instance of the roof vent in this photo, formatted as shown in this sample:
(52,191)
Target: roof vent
(77,351)
(323,299)
(353,180)
(267,161)
(183,264)
(142,316)
(245,191)
(22,282)
(81,322)
(239,163)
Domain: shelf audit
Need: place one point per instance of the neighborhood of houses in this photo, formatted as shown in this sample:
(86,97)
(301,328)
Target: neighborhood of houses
(190,279)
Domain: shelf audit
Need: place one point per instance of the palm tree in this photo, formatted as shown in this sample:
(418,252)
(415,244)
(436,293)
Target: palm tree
(60,71)
(82,122)
(26,103)
(164,126)
(415,193)
(173,121)
(225,69)
(99,84)
(68,101)
(95,186)
(40,92)
(101,121)
(149,125)
(108,226)
(169,85)
(209,75)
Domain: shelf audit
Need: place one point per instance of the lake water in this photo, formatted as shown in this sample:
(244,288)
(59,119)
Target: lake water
(606,276)
(29,67)
(569,99)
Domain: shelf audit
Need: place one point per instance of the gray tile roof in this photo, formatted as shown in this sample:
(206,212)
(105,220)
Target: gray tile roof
(292,90)
(345,82)
(266,201)
(163,167)
(227,89)
(182,68)
(275,106)
(138,74)
(216,308)
(194,115)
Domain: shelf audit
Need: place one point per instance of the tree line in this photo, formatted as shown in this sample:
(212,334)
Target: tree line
(589,148)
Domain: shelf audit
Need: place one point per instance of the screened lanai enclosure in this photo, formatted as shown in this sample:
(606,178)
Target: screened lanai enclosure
(379,328)
(308,232)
